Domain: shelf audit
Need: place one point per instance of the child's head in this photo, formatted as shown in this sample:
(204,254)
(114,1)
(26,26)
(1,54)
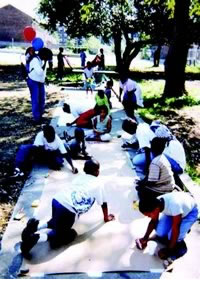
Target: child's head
(130,126)
(49,133)
(44,54)
(150,207)
(101,50)
(163,132)
(123,77)
(61,49)
(92,167)
(79,134)
(66,108)
(101,94)
(89,65)
(30,50)
(158,145)
(103,111)
(109,84)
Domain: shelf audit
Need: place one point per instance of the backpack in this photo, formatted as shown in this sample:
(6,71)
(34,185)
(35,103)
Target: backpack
(25,69)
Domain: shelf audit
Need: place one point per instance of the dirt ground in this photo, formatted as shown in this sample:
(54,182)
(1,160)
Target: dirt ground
(16,128)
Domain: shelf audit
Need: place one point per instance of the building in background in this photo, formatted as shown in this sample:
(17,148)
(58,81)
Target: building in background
(12,23)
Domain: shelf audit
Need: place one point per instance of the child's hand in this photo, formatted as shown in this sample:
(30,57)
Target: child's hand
(109,218)
(74,170)
(141,243)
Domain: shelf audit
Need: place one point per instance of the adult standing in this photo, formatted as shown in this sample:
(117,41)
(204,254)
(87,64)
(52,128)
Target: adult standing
(36,83)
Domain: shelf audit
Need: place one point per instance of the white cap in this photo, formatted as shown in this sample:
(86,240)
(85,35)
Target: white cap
(163,132)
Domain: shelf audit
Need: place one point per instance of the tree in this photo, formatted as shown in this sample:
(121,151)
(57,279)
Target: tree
(133,20)
(186,22)
(139,22)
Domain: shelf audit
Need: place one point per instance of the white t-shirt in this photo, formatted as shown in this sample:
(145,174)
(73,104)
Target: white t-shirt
(57,144)
(175,151)
(81,194)
(144,135)
(177,203)
(131,85)
(37,74)
(89,73)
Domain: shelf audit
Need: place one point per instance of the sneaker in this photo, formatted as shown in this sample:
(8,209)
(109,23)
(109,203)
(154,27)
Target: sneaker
(18,173)
(28,244)
(31,227)
(56,243)
(180,250)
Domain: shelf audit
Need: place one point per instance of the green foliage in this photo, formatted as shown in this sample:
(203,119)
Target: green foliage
(92,44)
(193,172)
(151,21)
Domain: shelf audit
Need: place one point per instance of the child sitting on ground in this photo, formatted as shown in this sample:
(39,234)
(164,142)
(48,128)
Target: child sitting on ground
(160,178)
(102,125)
(172,216)
(47,148)
(67,207)
(76,145)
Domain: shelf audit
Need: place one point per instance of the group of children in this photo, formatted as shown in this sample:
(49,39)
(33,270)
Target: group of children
(171,210)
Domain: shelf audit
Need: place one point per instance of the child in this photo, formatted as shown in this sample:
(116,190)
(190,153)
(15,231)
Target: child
(67,206)
(172,216)
(83,58)
(101,64)
(108,90)
(132,95)
(101,99)
(85,119)
(102,125)
(89,79)
(159,179)
(61,63)
(47,148)
(76,145)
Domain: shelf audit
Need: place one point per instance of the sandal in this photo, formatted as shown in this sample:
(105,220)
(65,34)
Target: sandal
(18,173)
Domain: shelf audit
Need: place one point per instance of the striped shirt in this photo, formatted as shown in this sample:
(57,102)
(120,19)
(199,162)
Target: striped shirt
(160,172)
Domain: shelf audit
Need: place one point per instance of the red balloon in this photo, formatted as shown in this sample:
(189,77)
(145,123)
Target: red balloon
(29,33)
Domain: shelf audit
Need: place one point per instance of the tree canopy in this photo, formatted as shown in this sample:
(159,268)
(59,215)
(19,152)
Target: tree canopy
(139,22)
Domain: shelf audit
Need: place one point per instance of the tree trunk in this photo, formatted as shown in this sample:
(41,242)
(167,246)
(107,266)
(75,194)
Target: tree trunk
(117,37)
(157,56)
(176,59)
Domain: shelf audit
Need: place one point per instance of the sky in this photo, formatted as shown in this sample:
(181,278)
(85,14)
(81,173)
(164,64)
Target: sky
(26,6)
